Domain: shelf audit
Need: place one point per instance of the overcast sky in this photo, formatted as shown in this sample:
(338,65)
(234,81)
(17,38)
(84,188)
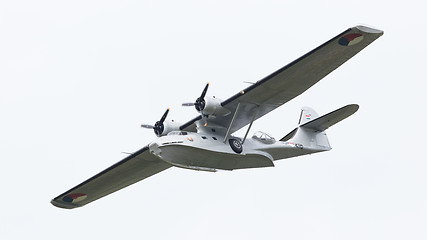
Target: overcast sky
(77,78)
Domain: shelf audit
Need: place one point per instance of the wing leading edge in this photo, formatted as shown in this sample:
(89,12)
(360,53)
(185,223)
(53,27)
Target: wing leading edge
(138,166)
(293,79)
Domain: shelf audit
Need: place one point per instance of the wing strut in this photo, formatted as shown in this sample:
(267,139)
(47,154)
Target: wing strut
(232,121)
(250,125)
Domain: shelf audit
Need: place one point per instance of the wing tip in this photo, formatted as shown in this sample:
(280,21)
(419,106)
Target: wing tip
(367,29)
(352,107)
(63,205)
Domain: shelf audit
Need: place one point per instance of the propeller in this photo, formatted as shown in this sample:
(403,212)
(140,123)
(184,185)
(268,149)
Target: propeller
(200,101)
(158,126)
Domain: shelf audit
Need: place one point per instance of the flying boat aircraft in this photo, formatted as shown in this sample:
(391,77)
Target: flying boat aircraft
(206,143)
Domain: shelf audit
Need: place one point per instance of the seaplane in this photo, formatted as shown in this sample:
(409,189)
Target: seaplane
(206,141)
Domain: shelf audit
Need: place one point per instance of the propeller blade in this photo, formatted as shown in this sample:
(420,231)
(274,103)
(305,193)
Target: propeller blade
(187,104)
(204,91)
(159,127)
(164,116)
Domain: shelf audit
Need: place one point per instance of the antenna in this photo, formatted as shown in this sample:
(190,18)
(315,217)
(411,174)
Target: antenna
(249,82)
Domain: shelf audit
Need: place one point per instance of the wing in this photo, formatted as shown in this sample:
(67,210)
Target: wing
(136,167)
(293,79)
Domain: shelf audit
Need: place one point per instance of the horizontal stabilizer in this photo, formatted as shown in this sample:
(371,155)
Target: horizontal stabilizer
(324,122)
(289,135)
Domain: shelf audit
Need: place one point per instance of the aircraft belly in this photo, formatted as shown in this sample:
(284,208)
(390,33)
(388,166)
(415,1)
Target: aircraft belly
(208,159)
(283,152)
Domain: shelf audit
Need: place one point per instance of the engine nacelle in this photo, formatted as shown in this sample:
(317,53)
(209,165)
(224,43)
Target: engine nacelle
(212,107)
(169,126)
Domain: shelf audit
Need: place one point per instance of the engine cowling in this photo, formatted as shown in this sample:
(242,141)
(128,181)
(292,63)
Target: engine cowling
(168,126)
(212,107)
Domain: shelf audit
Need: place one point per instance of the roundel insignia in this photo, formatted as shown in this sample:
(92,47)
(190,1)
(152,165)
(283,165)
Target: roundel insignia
(350,39)
(74,198)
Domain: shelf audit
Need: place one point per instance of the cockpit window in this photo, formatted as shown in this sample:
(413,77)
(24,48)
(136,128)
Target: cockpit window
(263,137)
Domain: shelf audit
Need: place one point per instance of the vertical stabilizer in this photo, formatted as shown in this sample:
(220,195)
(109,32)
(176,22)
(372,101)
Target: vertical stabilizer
(307,114)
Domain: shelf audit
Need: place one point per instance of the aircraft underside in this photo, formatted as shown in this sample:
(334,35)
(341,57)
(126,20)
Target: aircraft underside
(198,152)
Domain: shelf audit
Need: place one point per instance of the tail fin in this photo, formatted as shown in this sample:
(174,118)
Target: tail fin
(310,132)
(307,114)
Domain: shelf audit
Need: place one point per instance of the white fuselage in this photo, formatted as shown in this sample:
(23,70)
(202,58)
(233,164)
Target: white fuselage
(208,152)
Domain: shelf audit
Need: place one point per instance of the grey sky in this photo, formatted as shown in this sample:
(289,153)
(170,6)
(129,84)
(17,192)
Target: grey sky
(77,78)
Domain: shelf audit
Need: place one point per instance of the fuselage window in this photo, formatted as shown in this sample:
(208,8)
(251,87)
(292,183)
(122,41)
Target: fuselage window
(204,137)
(214,138)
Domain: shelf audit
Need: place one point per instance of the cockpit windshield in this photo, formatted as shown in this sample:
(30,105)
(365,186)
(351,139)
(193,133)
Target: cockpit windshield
(264,137)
